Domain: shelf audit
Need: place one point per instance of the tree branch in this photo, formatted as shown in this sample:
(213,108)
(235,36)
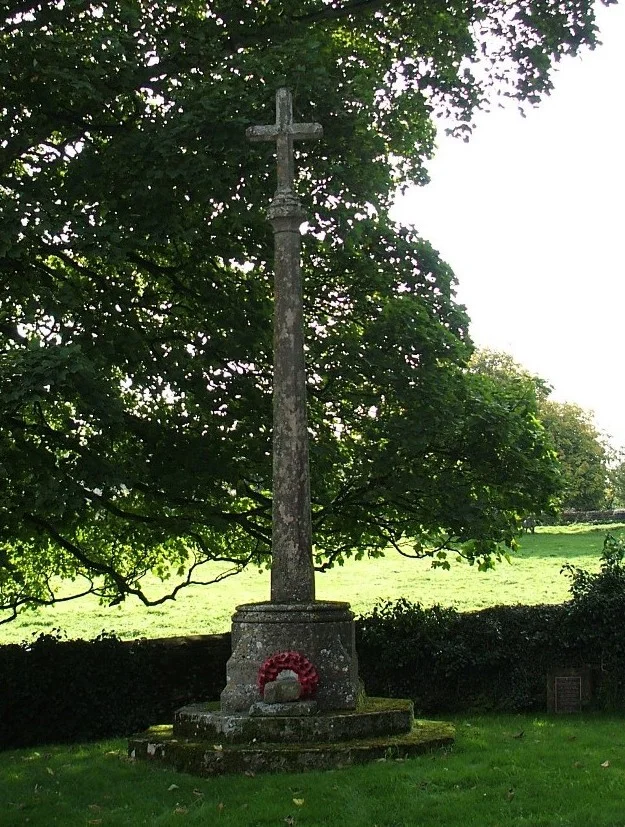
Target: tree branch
(123,587)
(334,13)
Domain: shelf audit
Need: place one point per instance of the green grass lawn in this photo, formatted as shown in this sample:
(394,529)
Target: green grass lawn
(533,576)
(560,771)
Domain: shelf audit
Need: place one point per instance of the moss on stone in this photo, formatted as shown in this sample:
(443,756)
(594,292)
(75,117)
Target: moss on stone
(206,759)
(373,717)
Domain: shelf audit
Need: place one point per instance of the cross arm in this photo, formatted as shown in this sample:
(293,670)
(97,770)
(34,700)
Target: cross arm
(297,132)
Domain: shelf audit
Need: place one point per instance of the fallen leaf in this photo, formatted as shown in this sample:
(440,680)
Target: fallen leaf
(218,747)
(250,774)
(221,807)
(605,764)
(298,802)
(289,820)
(199,793)
(94,807)
(94,821)
(49,770)
(510,794)
(181,811)
(172,787)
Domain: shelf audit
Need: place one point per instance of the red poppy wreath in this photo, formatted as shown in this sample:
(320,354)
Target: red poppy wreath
(290,661)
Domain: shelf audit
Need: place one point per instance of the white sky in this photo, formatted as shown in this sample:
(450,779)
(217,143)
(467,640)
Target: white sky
(530,215)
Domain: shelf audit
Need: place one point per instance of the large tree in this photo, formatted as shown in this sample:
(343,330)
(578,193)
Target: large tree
(135,296)
(616,479)
(583,454)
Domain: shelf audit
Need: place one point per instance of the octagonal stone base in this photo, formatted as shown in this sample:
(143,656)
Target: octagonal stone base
(221,752)
(373,718)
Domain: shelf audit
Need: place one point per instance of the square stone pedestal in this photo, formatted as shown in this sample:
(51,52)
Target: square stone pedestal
(321,632)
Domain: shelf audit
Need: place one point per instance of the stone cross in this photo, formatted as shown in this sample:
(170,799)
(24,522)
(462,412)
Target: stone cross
(292,572)
(284,132)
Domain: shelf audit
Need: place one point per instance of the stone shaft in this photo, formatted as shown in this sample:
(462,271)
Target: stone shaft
(292,572)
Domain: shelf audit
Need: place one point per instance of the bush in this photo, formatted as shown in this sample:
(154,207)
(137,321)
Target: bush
(55,691)
(447,662)
(500,658)
(596,614)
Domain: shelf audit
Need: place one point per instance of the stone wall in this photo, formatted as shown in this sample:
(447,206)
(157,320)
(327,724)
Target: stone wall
(616,515)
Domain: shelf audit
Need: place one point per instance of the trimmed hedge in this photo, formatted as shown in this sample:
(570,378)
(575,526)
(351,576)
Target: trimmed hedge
(495,659)
(57,691)
(500,658)
(445,661)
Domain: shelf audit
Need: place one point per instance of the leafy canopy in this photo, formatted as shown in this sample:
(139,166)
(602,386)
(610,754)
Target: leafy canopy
(135,298)
(585,460)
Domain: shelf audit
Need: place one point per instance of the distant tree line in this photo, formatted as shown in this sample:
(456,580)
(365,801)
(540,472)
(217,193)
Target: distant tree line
(592,472)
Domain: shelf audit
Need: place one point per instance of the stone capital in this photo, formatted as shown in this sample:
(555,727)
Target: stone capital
(286,205)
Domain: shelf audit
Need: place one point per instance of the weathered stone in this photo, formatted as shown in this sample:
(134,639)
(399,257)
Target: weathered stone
(284,132)
(288,710)
(374,717)
(281,691)
(323,632)
(292,573)
(248,734)
(207,759)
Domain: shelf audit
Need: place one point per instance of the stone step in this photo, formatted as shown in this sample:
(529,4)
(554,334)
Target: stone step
(204,758)
(373,717)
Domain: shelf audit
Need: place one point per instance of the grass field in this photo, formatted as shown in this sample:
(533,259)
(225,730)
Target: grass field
(503,770)
(533,576)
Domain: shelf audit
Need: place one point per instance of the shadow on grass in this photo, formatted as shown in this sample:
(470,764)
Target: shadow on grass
(516,770)
(577,541)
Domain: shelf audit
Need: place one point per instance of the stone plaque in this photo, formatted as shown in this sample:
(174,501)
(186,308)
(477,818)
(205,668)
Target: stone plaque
(568,693)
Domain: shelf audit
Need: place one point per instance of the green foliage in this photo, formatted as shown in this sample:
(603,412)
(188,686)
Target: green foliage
(582,453)
(499,658)
(444,660)
(135,298)
(532,576)
(495,659)
(616,480)
(606,584)
(599,604)
(502,367)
